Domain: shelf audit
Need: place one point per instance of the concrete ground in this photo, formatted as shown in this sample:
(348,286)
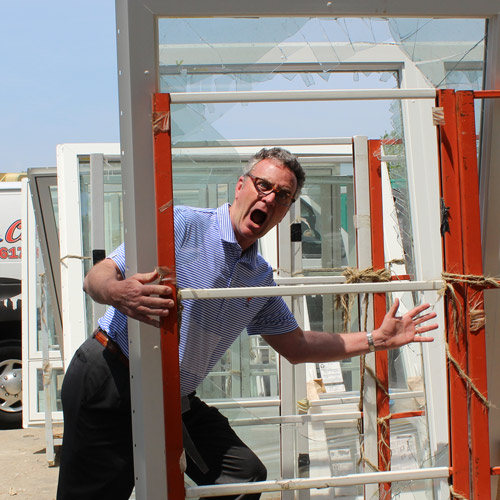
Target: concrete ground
(25,472)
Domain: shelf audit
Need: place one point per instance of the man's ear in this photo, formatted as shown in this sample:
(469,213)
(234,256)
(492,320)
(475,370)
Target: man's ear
(239,185)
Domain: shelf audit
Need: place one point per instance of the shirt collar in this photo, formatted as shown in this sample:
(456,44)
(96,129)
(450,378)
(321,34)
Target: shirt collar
(227,234)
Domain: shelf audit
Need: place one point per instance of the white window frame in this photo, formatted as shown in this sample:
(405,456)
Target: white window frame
(137,70)
(71,242)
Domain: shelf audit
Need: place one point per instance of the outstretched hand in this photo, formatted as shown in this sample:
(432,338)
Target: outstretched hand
(139,299)
(396,331)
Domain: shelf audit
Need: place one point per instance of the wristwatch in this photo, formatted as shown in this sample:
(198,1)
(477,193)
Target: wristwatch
(371,344)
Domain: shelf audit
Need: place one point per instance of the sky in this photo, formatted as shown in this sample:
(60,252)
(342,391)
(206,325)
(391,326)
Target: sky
(58,78)
(58,81)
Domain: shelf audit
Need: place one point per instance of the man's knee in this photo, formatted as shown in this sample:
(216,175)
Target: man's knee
(260,471)
(254,469)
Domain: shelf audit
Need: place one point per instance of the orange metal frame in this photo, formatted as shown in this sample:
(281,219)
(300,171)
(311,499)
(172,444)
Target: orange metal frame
(166,263)
(469,437)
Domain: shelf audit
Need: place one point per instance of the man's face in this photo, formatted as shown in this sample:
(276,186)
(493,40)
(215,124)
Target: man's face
(254,214)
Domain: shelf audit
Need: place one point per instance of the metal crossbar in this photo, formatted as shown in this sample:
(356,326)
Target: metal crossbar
(320,289)
(300,95)
(327,482)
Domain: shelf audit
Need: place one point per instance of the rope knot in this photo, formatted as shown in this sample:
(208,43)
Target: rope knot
(345,301)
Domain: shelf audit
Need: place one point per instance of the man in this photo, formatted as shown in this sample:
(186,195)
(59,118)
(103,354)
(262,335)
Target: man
(215,248)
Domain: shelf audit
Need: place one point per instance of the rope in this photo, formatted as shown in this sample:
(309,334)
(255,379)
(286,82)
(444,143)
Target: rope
(69,256)
(383,422)
(46,373)
(161,122)
(477,319)
(472,279)
(377,380)
(345,301)
(303,405)
(468,381)
(453,494)
(365,460)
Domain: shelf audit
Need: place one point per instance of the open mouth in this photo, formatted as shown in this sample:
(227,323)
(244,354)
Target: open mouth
(258,217)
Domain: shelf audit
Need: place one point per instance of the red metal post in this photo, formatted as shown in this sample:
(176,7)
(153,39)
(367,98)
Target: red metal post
(453,263)
(472,254)
(166,264)
(486,94)
(379,310)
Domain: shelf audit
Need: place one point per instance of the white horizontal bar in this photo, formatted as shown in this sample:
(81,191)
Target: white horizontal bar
(246,403)
(341,400)
(298,419)
(292,291)
(305,158)
(300,95)
(279,141)
(327,482)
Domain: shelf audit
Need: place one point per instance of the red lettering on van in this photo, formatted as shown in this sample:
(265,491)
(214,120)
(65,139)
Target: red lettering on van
(13,234)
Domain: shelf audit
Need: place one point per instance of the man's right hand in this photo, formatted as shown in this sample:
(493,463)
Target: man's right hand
(139,299)
(138,296)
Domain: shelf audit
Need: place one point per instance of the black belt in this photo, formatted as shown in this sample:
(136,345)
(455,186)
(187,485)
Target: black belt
(102,337)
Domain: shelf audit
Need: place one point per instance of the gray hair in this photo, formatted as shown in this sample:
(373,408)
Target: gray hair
(282,156)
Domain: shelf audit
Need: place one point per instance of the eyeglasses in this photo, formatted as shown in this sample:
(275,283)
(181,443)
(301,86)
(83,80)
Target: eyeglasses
(265,188)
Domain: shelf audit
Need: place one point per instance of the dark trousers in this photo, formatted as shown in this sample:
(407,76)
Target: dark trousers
(97,451)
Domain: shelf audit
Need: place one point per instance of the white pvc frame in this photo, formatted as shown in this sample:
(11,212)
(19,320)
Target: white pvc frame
(137,48)
(70,241)
(32,356)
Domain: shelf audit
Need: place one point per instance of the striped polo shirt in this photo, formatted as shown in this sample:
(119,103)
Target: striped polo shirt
(208,256)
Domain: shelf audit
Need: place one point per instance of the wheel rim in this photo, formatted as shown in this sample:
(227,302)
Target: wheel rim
(11,386)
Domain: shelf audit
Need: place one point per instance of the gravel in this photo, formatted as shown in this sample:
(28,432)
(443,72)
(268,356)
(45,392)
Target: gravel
(25,469)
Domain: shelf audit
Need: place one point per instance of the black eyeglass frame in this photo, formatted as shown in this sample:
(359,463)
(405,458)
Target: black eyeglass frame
(272,189)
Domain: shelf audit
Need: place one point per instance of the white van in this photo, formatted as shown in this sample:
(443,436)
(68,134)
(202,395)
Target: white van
(10,302)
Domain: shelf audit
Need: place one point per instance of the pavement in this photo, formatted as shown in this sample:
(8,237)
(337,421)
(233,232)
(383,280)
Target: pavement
(25,472)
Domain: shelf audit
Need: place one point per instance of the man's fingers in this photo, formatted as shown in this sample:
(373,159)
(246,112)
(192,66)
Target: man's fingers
(394,308)
(427,328)
(157,303)
(161,290)
(417,310)
(423,339)
(149,311)
(422,319)
(146,277)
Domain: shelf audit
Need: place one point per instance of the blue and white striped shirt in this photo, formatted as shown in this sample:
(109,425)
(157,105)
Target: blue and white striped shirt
(208,256)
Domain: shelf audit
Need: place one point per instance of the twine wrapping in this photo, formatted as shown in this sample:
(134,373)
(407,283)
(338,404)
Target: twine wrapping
(453,494)
(161,122)
(346,300)
(69,256)
(383,422)
(468,381)
(477,318)
(345,303)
